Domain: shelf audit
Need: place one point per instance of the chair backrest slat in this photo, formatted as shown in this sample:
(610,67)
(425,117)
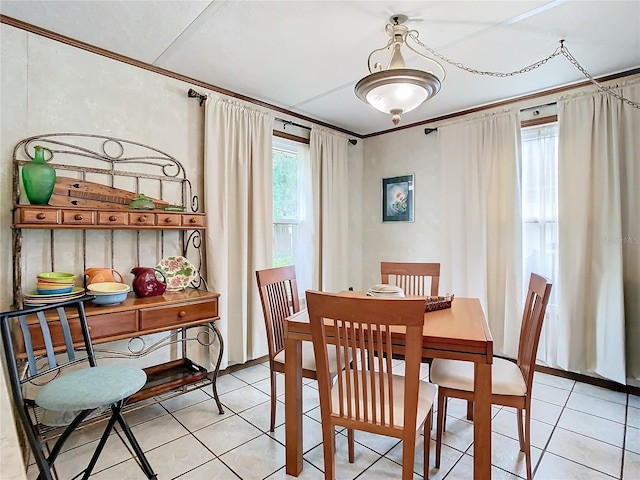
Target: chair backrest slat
(33,322)
(538,294)
(46,335)
(411,277)
(66,333)
(279,297)
(365,390)
(28,345)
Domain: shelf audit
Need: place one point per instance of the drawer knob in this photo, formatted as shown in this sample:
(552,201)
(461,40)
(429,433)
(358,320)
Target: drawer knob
(192,220)
(78,216)
(112,218)
(182,314)
(168,220)
(41,216)
(142,218)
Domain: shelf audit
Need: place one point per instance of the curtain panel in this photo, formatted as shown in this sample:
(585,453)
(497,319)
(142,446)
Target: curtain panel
(481,227)
(599,234)
(330,206)
(238,197)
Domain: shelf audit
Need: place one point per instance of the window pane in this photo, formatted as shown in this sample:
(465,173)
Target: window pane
(285,201)
(540,219)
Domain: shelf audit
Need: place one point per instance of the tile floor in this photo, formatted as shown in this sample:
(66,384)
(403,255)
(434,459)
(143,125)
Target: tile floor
(578,432)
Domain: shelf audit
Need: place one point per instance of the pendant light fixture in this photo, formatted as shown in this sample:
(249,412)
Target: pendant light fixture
(398,89)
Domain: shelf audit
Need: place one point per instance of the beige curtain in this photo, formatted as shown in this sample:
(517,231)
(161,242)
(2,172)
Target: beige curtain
(238,202)
(481,220)
(330,205)
(599,234)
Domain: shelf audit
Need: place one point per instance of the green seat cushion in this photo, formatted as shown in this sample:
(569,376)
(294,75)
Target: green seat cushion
(91,388)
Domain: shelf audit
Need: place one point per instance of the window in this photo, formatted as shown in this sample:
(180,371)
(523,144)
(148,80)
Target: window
(292,237)
(540,217)
(285,201)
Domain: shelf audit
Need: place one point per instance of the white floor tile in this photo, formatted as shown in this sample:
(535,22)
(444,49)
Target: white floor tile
(256,459)
(591,426)
(159,431)
(243,398)
(228,383)
(546,393)
(212,470)
(364,457)
(227,434)
(252,374)
(586,451)
(178,457)
(598,407)
(309,472)
(200,415)
(463,470)
(552,381)
(70,463)
(129,470)
(633,417)
(632,440)
(554,467)
(634,401)
(260,415)
(631,469)
(602,393)
(186,400)
(545,412)
(383,469)
(311,434)
(506,423)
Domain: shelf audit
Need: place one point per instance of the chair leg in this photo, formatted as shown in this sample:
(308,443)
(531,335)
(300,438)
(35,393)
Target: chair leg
(520,431)
(470,410)
(351,440)
(328,449)
(45,464)
(273,401)
(408,455)
(442,412)
(126,429)
(527,442)
(427,444)
(100,447)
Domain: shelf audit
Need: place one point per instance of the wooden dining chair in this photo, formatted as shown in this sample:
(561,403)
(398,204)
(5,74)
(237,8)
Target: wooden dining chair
(411,277)
(511,383)
(365,395)
(279,296)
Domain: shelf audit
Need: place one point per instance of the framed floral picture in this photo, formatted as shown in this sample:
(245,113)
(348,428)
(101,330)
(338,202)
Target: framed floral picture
(397,199)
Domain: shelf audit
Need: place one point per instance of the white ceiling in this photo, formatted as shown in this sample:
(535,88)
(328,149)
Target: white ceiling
(306,56)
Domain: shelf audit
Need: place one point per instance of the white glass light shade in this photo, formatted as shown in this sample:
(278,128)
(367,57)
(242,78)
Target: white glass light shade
(398,90)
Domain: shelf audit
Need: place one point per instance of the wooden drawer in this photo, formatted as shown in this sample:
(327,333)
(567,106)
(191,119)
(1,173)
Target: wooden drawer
(168,219)
(174,316)
(70,217)
(193,220)
(142,219)
(113,218)
(100,326)
(37,216)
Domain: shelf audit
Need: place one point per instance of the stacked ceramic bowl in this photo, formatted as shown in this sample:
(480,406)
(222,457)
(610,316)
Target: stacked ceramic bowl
(54,283)
(108,293)
(53,287)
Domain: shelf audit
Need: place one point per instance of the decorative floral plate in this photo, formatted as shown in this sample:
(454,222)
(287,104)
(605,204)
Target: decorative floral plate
(179,272)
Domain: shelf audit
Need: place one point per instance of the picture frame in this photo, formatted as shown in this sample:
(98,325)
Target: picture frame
(397,199)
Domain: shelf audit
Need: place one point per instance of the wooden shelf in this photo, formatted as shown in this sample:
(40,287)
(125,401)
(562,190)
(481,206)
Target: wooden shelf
(34,216)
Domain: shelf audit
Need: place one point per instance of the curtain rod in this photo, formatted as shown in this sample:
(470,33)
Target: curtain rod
(193,94)
(352,141)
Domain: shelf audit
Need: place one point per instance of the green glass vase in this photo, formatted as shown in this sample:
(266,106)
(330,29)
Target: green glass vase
(38,178)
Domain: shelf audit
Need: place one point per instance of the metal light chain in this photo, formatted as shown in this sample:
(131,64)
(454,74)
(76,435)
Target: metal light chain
(604,89)
(561,50)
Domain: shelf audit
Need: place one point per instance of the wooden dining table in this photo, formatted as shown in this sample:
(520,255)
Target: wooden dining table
(459,333)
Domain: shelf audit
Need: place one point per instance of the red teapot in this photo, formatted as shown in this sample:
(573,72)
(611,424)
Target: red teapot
(146,282)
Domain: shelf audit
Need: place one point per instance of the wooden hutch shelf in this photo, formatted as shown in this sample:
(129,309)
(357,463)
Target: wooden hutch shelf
(86,159)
